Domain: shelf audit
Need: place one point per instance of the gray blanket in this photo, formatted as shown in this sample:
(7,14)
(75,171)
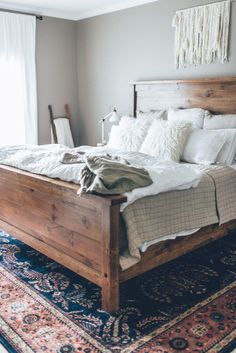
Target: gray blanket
(108,175)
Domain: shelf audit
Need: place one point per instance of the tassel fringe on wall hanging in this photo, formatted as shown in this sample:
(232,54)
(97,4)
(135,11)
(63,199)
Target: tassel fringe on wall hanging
(202,34)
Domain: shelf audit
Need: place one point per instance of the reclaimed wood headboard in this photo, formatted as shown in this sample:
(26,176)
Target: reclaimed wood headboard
(215,94)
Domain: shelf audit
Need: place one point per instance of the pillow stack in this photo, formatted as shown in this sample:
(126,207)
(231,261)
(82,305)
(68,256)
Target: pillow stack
(226,125)
(213,139)
(192,135)
(131,132)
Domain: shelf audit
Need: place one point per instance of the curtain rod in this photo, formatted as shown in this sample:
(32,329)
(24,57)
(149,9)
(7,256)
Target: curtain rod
(38,17)
(197,6)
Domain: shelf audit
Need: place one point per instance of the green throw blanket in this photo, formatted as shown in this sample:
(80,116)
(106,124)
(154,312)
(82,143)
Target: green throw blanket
(108,175)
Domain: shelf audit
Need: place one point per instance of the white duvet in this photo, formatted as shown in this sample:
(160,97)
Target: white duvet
(46,160)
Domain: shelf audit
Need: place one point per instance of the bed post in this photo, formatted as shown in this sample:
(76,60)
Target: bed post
(110,257)
(132,100)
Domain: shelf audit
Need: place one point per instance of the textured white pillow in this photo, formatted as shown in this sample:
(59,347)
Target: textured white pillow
(203,147)
(165,140)
(194,116)
(129,134)
(228,152)
(224,121)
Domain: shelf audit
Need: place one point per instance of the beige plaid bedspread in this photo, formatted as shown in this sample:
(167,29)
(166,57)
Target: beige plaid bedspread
(212,201)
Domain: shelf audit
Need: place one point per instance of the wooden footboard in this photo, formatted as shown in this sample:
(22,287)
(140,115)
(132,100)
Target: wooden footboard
(81,233)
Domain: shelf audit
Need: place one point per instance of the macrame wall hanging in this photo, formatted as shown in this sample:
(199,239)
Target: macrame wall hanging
(202,34)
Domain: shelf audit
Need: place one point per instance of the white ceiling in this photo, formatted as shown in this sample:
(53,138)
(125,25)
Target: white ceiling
(70,9)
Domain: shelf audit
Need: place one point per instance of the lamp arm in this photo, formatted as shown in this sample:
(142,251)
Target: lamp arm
(105,117)
(102,122)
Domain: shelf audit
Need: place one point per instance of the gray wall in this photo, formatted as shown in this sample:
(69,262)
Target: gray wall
(56,72)
(128,45)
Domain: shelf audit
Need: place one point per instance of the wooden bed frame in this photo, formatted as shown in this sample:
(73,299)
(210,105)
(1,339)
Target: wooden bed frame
(83,233)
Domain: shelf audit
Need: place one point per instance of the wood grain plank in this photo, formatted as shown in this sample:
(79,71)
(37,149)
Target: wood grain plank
(204,80)
(110,249)
(58,256)
(216,95)
(58,211)
(50,233)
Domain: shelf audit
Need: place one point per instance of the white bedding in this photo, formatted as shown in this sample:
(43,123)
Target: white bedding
(46,160)
(157,240)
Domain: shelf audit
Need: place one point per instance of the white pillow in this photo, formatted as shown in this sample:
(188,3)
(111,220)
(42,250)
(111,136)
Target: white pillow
(224,121)
(129,134)
(194,116)
(112,141)
(142,120)
(152,114)
(203,146)
(166,140)
(228,152)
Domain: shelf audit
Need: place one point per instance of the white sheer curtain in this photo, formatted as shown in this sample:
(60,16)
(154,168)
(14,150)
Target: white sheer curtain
(18,94)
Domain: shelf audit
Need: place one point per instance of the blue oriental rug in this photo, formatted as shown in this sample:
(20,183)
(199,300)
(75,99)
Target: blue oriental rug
(187,305)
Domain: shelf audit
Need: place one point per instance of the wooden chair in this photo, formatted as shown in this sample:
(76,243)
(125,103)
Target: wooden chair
(61,129)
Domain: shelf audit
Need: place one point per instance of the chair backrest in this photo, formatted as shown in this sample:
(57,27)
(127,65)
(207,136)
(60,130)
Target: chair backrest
(60,125)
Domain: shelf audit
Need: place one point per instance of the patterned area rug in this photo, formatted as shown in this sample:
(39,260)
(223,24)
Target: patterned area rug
(188,305)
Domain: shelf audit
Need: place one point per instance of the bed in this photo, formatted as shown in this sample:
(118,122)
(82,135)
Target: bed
(83,234)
